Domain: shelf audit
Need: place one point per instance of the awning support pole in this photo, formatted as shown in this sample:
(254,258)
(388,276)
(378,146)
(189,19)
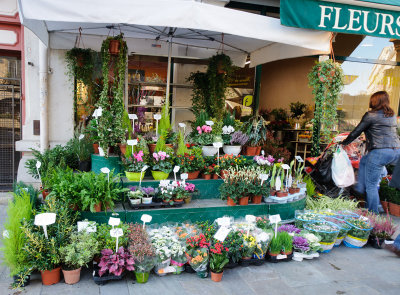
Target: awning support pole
(43,95)
(169,67)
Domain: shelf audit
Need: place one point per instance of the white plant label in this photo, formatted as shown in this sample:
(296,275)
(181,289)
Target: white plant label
(299,159)
(157,116)
(114,221)
(275,218)
(132,117)
(209,123)
(87,226)
(263,177)
(45,219)
(105,170)
(145,168)
(81,136)
(184,176)
(176,169)
(285,166)
(38,165)
(250,218)
(146,218)
(278,183)
(281,256)
(289,181)
(217,145)
(6,234)
(116,233)
(182,125)
(101,152)
(224,221)
(222,233)
(132,142)
(262,153)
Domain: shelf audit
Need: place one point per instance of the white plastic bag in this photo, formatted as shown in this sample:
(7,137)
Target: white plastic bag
(342,170)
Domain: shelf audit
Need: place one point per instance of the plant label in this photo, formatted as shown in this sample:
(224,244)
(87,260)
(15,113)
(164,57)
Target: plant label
(157,117)
(250,218)
(289,181)
(263,177)
(299,159)
(209,123)
(222,233)
(145,168)
(281,256)
(224,221)
(182,125)
(81,136)
(6,234)
(176,169)
(278,183)
(146,218)
(87,226)
(116,232)
(217,145)
(285,166)
(184,176)
(132,142)
(262,153)
(38,164)
(132,117)
(275,218)
(364,218)
(105,170)
(114,221)
(45,219)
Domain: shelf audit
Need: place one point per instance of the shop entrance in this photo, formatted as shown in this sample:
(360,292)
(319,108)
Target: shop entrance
(10,130)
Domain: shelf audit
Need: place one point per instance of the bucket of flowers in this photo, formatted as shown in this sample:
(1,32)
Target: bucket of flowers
(359,232)
(343,226)
(383,230)
(197,254)
(326,230)
(303,217)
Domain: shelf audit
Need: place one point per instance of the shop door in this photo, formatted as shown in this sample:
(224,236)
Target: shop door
(10,131)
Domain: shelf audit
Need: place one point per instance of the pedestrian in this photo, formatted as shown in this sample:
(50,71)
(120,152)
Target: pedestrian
(395,182)
(383,145)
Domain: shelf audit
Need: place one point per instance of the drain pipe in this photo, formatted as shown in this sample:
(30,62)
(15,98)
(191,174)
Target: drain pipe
(43,86)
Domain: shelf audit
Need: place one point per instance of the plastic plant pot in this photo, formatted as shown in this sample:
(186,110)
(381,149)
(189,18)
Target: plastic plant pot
(159,175)
(134,176)
(326,230)
(358,234)
(142,277)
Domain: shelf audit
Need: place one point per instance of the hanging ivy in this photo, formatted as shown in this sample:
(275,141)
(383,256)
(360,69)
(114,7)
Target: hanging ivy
(209,88)
(111,124)
(326,79)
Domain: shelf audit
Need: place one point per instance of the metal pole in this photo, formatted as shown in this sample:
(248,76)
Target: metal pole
(44,124)
(169,66)
(13,133)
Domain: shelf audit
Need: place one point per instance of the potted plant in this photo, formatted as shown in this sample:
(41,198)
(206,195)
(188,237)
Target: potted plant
(133,166)
(198,254)
(281,190)
(14,239)
(142,252)
(82,147)
(232,188)
(112,265)
(149,193)
(162,165)
(207,172)
(234,242)
(383,230)
(238,140)
(105,241)
(326,230)
(191,163)
(392,195)
(167,191)
(256,130)
(272,182)
(206,138)
(77,253)
(91,132)
(218,260)
(249,246)
(135,195)
(286,241)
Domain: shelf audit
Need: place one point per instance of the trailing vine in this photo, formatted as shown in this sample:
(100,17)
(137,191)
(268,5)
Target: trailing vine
(326,79)
(111,129)
(209,88)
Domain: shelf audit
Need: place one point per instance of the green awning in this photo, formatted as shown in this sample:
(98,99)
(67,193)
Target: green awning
(365,18)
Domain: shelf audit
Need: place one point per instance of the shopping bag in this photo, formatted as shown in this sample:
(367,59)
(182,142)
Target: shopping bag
(322,172)
(342,170)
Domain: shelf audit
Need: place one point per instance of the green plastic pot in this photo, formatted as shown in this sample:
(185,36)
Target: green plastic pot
(134,176)
(142,277)
(159,175)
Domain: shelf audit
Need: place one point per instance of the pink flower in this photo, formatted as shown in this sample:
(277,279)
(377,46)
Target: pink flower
(162,155)
(138,156)
(199,129)
(206,128)
(190,187)
(270,159)
(155,156)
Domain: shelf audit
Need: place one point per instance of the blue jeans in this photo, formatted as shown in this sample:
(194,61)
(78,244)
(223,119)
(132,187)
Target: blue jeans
(370,171)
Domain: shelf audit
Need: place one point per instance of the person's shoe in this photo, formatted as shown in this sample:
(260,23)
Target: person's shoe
(391,248)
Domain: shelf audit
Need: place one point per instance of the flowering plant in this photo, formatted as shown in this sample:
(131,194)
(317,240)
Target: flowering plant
(190,162)
(289,228)
(234,242)
(196,242)
(264,161)
(204,135)
(383,227)
(218,257)
(141,249)
(326,230)
(135,162)
(167,190)
(165,243)
(115,263)
(262,223)
(360,228)
(162,161)
(149,191)
(239,138)
(300,244)
(313,242)
(199,259)
(250,244)
(135,193)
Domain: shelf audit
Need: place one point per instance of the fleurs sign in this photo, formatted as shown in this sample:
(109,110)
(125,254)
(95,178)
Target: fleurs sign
(338,17)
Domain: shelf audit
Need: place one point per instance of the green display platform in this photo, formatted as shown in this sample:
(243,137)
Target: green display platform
(103,217)
(112,163)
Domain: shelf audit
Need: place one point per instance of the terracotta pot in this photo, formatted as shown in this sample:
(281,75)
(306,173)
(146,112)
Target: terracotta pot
(292,190)
(122,148)
(45,193)
(114,47)
(223,173)
(96,148)
(178,200)
(216,277)
(193,175)
(259,150)
(169,145)
(246,258)
(281,194)
(297,190)
(230,202)
(394,209)
(51,277)
(287,253)
(152,148)
(97,207)
(385,206)
(72,276)
(251,151)
(272,192)
(256,199)
(273,254)
(207,176)
(244,201)
(215,176)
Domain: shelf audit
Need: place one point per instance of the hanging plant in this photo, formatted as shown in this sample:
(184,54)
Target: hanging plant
(326,79)
(111,129)
(209,88)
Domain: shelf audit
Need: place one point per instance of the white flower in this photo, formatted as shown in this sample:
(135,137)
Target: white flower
(228,129)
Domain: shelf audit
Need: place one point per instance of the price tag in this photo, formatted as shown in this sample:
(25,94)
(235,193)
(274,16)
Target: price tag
(81,136)
(209,123)
(263,237)
(98,112)
(182,125)
(278,183)
(263,177)
(105,170)
(132,142)
(114,221)
(146,218)
(145,168)
(224,221)
(217,145)
(275,218)
(132,116)
(157,116)
(250,218)
(87,226)
(45,219)
(285,166)
(281,256)
(299,159)
(184,176)
(262,153)
(222,233)
(176,169)
(38,164)
(116,232)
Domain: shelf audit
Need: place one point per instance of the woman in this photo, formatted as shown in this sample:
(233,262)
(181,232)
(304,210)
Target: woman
(383,146)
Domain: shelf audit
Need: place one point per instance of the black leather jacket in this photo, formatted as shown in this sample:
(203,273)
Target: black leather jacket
(380,131)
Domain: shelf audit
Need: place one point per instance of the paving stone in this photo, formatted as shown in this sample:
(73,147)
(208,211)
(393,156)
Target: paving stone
(114,288)
(276,287)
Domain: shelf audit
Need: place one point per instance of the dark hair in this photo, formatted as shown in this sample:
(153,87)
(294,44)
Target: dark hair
(380,101)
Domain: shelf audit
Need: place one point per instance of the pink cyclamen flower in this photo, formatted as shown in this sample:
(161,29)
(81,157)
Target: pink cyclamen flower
(162,155)
(138,156)
(199,129)
(155,156)
(270,159)
(206,129)
(190,187)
